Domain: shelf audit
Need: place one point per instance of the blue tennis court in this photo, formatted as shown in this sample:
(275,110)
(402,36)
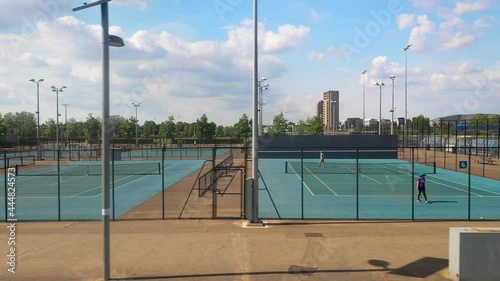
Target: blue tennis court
(77,195)
(374,189)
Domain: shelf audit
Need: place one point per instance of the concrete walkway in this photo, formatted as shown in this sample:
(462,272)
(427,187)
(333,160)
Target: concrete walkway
(212,250)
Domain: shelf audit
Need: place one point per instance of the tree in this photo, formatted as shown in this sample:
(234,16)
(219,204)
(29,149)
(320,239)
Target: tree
(494,120)
(116,122)
(478,119)
(167,128)
(48,129)
(179,129)
(92,128)
(149,128)
(127,128)
(314,126)
(420,124)
(279,126)
(204,130)
(301,128)
(242,129)
(2,127)
(75,129)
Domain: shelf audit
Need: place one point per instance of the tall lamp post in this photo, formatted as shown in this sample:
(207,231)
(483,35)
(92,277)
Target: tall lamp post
(66,121)
(380,84)
(363,74)
(392,106)
(38,148)
(114,41)
(136,105)
(57,91)
(261,104)
(255,130)
(334,123)
(405,49)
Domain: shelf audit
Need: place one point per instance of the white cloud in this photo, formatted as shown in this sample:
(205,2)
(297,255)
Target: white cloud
(32,60)
(426,4)
(315,15)
(420,33)
(287,38)
(455,32)
(457,40)
(405,20)
(167,74)
(479,23)
(315,56)
(140,5)
(467,7)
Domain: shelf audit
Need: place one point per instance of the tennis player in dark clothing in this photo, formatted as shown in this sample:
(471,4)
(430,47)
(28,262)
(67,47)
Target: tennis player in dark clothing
(421,187)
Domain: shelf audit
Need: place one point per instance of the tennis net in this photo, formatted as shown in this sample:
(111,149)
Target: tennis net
(25,160)
(91,170)
(361,168)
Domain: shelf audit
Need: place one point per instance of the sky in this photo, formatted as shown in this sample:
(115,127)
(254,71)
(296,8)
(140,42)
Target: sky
(186,58)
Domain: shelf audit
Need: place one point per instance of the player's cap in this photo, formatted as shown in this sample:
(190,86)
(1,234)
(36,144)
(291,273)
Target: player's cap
(423,174)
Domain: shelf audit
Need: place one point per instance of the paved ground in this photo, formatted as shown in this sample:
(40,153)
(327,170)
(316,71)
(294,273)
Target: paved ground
(144,248)
(212,250)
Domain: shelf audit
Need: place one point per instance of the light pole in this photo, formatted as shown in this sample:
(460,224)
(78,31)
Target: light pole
(114,41)
(363,74)
(334,123)
(261,104)
(57,90)
(255,130)
(38,148)
(136,105)
(380,84)
(392,106)
(66,121)
(405,49)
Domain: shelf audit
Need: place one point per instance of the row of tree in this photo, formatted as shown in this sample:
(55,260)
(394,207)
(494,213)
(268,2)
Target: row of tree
(25,127)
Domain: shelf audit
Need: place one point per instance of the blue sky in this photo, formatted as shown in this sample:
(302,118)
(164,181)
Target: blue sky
(191,57)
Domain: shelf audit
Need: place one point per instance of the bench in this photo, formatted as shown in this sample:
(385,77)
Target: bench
(484,160)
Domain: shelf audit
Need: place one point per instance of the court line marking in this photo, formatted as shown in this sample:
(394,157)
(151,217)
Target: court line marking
(303,182)
(459,189)
(321,182)
(466,185)
(364,176)
(140,178)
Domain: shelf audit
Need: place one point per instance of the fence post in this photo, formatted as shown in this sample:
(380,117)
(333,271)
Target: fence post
(302,181)
(412,184)
(214,185)
(164,148)
(357,183)
(468,184)
(5,181)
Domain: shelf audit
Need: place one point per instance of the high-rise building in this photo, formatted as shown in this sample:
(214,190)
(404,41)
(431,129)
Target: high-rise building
(331,110)
(319,110)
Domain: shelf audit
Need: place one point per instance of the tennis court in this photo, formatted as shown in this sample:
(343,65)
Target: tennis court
(371,189)
(77,193)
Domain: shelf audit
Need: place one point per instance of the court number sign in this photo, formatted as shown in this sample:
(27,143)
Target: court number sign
(463,164)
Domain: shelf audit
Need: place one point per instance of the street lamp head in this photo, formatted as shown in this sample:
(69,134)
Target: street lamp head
(53,88)
(392,77)
(407,47)
(32,80)
(364,71)
(115,41)
(263,79)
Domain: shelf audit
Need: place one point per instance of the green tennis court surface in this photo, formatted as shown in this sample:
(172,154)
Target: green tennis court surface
(77,195)
(374,189)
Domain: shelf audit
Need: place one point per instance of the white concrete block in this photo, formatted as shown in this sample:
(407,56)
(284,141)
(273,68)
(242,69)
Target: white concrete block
(474,253)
